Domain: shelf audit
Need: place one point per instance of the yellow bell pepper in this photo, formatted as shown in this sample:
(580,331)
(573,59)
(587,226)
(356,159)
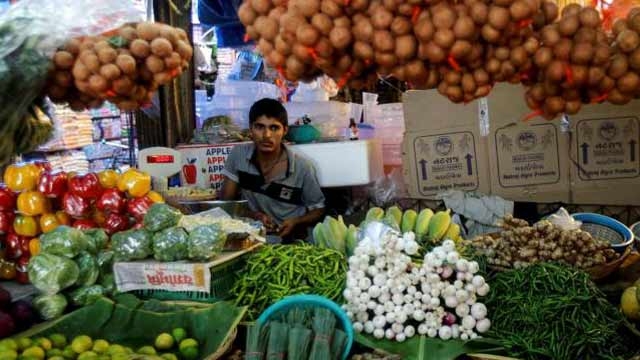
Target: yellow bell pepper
(63,218)
(135,183)
(49,222)
(34,246)
(32,203)
(22,177)
(155,197)
(26,226)
(108,178)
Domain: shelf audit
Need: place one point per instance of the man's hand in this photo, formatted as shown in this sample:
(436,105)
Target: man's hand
(269,224)
(287,227)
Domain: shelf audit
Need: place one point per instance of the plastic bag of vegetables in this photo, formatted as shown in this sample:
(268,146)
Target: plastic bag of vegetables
(64,241)
(98,240)
(86,295)
(28,38)
(205,242)
(105,261)
(50,273)
(131,245)
(160,217)
(88,267)
(50,306)
(170,244)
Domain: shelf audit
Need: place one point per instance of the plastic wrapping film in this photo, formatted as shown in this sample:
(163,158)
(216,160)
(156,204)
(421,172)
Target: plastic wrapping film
(131,245)
(389,188)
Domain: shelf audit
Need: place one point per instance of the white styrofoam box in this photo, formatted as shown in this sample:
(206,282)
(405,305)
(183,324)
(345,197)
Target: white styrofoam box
(252,90)
(344,163)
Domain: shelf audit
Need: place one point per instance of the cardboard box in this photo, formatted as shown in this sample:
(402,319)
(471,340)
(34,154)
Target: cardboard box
(605,155)
(529,161)
(442,148)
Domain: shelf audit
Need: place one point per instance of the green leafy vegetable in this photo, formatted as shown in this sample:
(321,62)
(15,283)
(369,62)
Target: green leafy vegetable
(86,295)
(131,245)
(64,241)
(88,267)
(98,240)
(160,217)
(170,244)
(205,242)
(50,306)
(50,273)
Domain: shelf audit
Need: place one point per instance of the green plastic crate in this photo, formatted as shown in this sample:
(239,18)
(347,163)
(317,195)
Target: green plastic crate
(223,278)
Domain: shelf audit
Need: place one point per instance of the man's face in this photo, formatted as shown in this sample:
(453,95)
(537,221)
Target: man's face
(267,134)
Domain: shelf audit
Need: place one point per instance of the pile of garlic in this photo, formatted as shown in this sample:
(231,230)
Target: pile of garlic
(390,296)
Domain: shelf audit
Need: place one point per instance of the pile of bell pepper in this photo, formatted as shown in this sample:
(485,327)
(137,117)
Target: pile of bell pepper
(36,200)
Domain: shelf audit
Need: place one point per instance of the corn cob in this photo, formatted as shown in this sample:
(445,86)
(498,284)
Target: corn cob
(374,214)
(394,213)
(453,232)
(352,239)
(409,219)
(438,225)
(422,223)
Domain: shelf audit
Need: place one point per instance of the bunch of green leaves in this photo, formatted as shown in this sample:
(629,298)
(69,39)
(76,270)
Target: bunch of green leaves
(550,311)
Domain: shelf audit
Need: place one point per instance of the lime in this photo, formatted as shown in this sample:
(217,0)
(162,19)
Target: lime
(53,352)
(57,357)
(44,343)
(169,357)
(128,350)
(164,341)
(81,344)
(146,350)
(104,357)
(179,334)
(120,356)
(34,351)
(8,354)
(189,353)
(116,349)
(24,343)
(8,344)
(59,341)
(186,343)
(88,355)
(68,353)
(100,346)
(24,357)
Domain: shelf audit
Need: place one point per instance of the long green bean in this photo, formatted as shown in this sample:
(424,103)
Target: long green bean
(281,270)
(548,311)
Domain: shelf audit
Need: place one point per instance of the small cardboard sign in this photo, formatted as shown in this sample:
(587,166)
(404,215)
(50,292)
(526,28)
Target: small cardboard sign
(170,276)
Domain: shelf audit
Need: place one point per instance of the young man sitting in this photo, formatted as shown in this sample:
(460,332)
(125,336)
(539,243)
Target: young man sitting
(281,186)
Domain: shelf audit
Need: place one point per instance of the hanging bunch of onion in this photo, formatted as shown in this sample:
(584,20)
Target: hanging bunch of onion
(623,80)
(125,68)
(572,63)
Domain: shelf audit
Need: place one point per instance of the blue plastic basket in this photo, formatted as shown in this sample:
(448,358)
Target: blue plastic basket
(606,228)
(290,302)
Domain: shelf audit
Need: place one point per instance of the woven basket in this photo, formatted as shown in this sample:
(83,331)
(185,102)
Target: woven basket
(225,347)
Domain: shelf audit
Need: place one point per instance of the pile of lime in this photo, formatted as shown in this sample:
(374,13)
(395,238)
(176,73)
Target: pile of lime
(167,346)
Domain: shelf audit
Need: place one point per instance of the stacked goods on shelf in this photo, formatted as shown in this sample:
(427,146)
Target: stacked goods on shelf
(68,161)
(73,130)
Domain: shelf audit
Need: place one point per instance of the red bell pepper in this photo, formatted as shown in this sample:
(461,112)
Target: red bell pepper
(22,273)
(6,221)
(112,201)
(84,224)
(88,186)
(53,185)
(7,199)
(138,207)
(116,223)
(14,244)
(76,206)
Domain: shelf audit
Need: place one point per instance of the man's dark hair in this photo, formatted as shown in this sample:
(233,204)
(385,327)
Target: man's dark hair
(270,108)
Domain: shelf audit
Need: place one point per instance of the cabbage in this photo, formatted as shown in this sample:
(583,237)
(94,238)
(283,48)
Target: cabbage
(205,242)
(160,217)
(50,306)
(170,244)
(97,238)
(50,273)
(131,245)
(86,295)
(105,261)
(64,241)
(89,269)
